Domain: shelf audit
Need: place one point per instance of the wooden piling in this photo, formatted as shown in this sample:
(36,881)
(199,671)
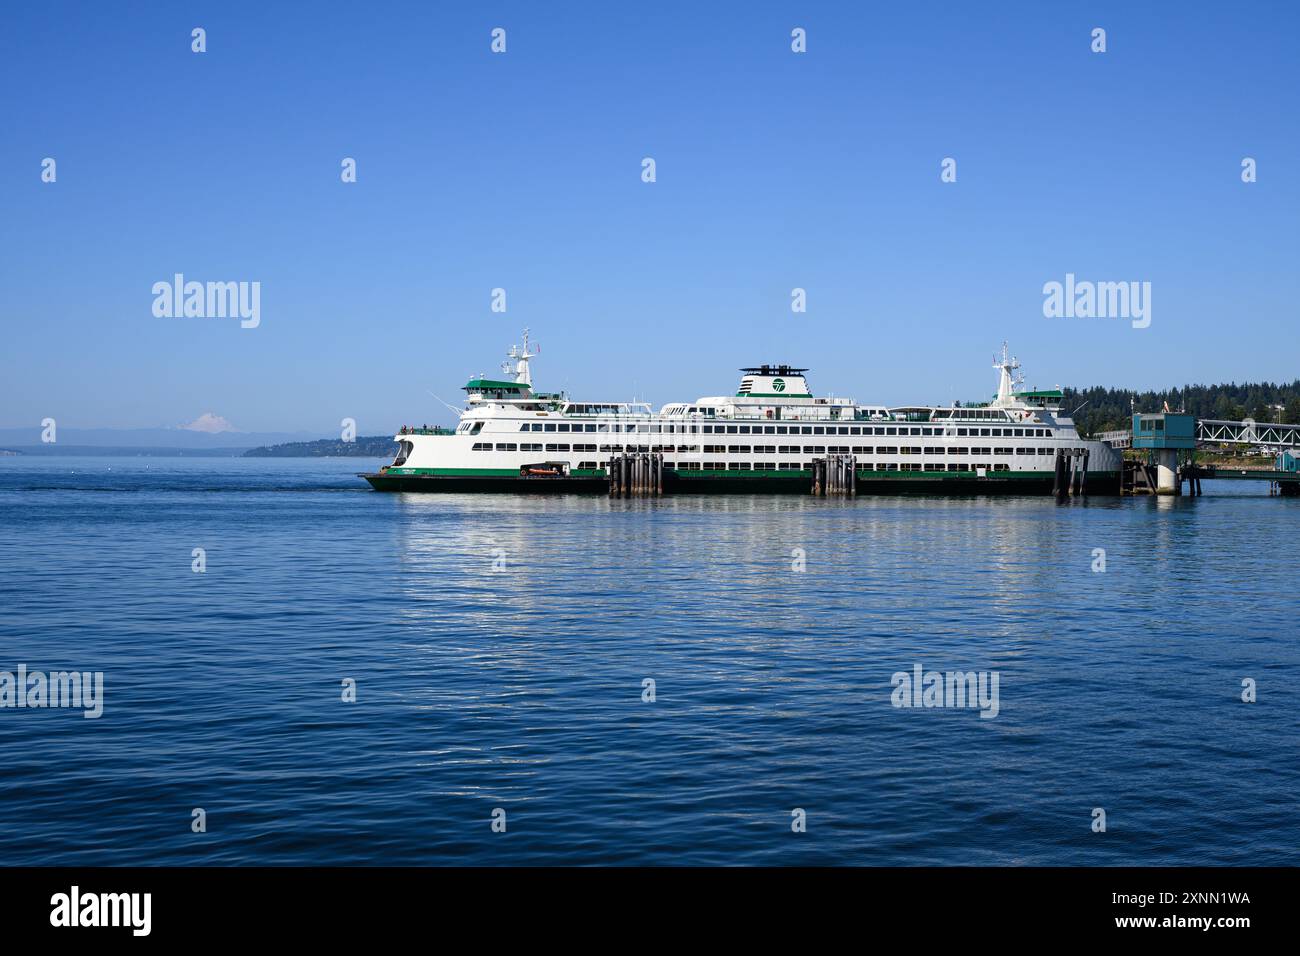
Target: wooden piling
(835,475)
(1059,488)
(633,475)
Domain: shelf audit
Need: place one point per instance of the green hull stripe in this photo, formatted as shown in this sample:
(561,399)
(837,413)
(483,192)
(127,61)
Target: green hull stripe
(471,472)
(890,475)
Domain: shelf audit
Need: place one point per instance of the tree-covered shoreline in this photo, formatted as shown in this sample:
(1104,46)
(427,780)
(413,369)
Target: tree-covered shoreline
(374,446)
(1108,409)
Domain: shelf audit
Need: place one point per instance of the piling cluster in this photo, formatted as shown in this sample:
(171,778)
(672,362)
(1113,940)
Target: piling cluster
(636,476)
(1071,478)
(835,475)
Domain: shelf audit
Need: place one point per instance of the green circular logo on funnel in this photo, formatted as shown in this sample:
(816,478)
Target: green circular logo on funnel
(778,385)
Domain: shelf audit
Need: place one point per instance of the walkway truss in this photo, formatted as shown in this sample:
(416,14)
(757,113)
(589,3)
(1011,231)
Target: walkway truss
(1212,431)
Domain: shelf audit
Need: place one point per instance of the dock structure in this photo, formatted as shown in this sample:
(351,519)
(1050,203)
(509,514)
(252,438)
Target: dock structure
(1139,478)
(1071,475)
(639,475)
(1280,481)
(1171,440)
(835,475)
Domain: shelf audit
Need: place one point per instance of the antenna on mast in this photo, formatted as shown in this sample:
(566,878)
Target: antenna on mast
(519,357)
(1007,384)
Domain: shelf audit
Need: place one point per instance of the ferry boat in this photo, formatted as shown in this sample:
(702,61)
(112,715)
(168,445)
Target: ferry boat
(764,438)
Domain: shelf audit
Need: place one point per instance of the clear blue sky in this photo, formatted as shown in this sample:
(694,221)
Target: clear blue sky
(522,170)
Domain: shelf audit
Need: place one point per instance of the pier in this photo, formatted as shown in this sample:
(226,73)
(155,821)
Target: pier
(638,475)
(1071,475)
(1172,439)
(835,475)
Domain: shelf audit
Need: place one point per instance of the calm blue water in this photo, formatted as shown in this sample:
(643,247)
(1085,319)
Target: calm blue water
(521,689)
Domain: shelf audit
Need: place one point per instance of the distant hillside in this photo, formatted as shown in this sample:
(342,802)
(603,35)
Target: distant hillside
(148,439)
(376,446)
(125,451)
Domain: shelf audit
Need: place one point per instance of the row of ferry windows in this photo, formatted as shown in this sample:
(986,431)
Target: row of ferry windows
(968,414)
(788,430)
(795,466)
(983,414)
(616,410)
(776,449)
